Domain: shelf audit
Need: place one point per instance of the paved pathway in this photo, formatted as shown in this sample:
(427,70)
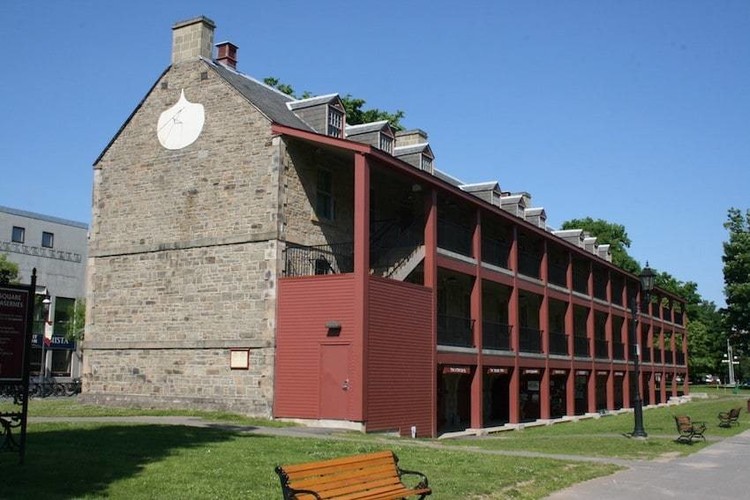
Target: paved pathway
(717,472)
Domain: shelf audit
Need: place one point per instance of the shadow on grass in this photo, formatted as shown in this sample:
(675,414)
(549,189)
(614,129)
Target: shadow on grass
(85,461)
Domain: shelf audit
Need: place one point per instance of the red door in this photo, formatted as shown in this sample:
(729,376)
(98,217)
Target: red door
(334,381)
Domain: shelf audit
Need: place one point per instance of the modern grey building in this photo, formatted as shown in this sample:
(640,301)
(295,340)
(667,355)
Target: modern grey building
(57,249)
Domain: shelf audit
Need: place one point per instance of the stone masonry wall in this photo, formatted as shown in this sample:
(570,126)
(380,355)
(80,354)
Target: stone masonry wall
(184,255)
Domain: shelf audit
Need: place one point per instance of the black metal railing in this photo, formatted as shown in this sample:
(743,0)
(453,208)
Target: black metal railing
(618,350)
(393,243)
(668,357)
(600,286)
(454,237)
(601,348)
(530,340)
(645,354)
(496,336)
(455,331)
(495,252)
(680,358)
(558,343)
(678,317)
(558,275)
(528,264)
(303,260)
(581,346)
(657,355)
(581,280)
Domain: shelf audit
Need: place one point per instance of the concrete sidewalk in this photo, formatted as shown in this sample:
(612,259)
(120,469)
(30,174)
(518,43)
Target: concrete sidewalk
(719,471)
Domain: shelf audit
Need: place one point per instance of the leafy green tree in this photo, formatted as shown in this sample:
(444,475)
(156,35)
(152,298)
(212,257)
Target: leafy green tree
(8,270)
(706,339)
(77,323)
(736,261)
(355,114)
(609,233)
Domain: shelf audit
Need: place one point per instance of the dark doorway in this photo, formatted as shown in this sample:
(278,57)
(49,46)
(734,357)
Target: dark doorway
(581,393)
(496,399)
(558,395)
(531,381)
(454,399)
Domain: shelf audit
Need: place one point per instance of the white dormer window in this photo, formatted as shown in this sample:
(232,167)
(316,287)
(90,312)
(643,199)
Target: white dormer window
(386,143)
(426,163)
(335,122)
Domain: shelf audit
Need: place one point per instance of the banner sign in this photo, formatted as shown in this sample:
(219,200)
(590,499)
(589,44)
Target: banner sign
(493,370)
(461,370)
(56,342)
(14,311)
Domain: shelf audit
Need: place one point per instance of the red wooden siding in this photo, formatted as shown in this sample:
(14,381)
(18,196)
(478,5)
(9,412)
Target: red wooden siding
(305,305)
(399,355)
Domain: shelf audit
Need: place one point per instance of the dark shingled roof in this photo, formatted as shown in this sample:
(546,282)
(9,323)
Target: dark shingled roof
(270,102)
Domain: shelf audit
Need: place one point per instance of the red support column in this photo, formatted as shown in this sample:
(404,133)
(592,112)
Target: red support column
(362,264)
(477,418)
(430,281)
(544,394)
(515,379)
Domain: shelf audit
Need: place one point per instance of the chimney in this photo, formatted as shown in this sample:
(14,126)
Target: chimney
(227,54)
(192,39)
(410,137)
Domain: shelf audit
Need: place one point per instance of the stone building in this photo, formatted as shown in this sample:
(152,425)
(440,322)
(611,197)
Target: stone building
(254,252)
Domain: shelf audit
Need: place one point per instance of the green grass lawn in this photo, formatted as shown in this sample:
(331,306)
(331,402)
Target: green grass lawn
(114,460)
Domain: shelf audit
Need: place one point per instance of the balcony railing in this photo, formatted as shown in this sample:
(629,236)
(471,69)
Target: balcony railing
(530,340)
(495,252)
(618,350)
(678,317)
(601,348)
(558,343)
(668,357)
(302,260)
(680,358)
(581,346)
(455,331)
(528,264)
(581,281)
(496,336)
(600,286)
(645,354)
(558,275)
(657,356)
(454,237)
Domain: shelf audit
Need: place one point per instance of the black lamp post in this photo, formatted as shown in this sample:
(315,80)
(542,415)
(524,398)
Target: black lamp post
(647,284)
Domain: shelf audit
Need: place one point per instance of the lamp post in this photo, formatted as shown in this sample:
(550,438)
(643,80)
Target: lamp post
(647,284)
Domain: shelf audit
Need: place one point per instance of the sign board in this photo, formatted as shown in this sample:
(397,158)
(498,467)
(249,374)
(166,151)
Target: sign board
(462,370)
(493,370)
(14,314)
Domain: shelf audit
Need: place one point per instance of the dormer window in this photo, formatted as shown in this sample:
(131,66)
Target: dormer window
(386,143)
(426,163)
(335,122)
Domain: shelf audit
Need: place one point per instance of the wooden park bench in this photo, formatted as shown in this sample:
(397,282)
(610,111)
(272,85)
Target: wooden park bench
(729,418)
(372,476)
(688,429)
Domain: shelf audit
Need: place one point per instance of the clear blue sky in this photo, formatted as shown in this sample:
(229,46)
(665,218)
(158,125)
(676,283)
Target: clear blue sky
(636,112)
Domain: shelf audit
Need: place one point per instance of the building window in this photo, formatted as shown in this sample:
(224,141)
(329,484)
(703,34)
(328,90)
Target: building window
(426,163)
(386,143)
(19,234)
(324,203)
(335,122)
(48,240)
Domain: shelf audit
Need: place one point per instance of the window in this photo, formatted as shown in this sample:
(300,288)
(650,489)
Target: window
(324,207)
(48,239)
(426,163)
(335,122)
(386,143)
(19,234)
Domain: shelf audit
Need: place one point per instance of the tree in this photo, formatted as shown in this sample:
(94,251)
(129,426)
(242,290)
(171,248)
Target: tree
(608,233)
(353,106)
(8,270)
(76,326)
(736,261)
